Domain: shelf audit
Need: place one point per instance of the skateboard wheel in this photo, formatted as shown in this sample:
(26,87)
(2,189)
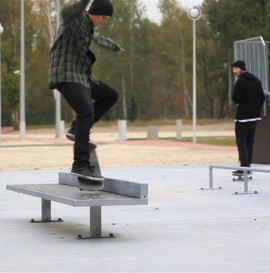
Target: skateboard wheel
(255,192)
(79,236)
(32,220)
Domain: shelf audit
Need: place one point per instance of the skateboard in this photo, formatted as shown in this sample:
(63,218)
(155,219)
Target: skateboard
(87,183)
(240,177)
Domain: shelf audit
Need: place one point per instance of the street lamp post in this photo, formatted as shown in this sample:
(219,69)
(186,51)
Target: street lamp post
(57,96)
(194,14)
(22,76)
(1,31)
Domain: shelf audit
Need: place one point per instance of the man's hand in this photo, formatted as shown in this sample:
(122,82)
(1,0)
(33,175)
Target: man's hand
(122,49)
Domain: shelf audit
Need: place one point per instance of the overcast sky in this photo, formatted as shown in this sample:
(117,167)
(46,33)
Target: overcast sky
(153,12)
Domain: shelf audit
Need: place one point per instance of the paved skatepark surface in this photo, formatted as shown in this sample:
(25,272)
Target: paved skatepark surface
(183,229)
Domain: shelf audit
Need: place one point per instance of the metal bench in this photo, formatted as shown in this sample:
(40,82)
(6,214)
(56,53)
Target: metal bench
(245,181)
(114,193)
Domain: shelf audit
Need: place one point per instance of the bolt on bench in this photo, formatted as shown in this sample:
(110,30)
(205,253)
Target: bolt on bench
(245,176)
(114,193)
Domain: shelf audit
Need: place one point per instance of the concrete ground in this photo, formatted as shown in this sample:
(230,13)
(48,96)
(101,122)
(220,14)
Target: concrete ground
(183,229)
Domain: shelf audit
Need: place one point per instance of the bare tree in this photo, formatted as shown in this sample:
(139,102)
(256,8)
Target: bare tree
(45,12)
(187,98)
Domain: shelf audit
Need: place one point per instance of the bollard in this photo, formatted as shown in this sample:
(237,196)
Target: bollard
(122,129)
(179,129)
(22,130)
(152,133)
(62,128)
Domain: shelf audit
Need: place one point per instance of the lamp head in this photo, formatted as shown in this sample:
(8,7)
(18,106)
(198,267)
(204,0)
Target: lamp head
(195,13)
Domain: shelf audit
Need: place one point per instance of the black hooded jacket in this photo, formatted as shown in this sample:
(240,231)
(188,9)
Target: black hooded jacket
(249,97)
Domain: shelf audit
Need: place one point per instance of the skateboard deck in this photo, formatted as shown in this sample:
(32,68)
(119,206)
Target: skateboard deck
(240,177)
(88,184)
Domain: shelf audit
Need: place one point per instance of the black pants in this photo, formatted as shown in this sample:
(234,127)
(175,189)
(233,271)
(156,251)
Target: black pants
(245,133)
(87,112)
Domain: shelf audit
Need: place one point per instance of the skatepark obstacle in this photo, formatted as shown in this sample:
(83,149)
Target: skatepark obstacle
(245,177)
(114,193)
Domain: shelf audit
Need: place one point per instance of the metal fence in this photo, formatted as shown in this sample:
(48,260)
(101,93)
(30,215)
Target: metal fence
(254,52)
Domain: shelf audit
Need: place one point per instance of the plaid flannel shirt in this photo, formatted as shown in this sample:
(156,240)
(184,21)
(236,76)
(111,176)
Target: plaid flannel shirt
(71,60)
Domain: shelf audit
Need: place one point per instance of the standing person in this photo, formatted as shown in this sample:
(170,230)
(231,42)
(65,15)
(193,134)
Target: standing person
(71,64)
(249,97)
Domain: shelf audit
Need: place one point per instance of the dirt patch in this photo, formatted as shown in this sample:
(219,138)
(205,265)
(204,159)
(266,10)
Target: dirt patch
(42,151)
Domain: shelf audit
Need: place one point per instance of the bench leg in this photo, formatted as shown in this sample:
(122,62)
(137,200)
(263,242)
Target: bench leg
(245,182)
(45,210)
(211,181)
(246,179)
(95,224)
(46,213)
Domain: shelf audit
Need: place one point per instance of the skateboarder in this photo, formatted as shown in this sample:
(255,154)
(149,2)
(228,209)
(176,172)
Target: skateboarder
(249,97)
(71,64)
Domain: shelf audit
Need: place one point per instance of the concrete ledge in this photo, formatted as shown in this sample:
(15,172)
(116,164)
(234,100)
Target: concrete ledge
(239,168)
(115,193)
(74,197)
(127,188)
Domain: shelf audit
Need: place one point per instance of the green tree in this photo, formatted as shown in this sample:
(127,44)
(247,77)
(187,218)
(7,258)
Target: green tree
(175,56)
(122,70)
(9,14)
(227,21)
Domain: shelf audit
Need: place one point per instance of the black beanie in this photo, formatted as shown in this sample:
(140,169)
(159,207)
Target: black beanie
(240,64)
(101,7)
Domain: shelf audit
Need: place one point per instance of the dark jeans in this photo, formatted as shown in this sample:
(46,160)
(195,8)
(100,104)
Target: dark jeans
(245,133)
(87,112)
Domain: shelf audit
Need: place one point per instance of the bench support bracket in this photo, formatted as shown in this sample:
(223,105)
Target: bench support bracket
(95,225)
(46,213)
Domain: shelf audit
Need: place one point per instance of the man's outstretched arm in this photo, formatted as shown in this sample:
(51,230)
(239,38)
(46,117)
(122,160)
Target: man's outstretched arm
(71,10)
(107,42)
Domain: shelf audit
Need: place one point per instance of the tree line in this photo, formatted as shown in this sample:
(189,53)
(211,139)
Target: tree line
(154,76)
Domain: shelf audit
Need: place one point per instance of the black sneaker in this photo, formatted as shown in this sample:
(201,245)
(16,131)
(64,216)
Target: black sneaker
(88,171)
(70,134)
